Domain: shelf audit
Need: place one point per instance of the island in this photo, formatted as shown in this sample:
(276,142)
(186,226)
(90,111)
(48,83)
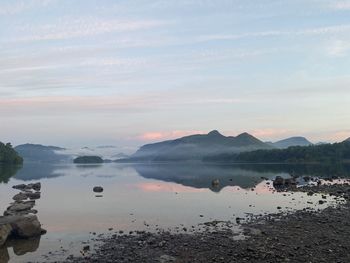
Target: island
(88,160)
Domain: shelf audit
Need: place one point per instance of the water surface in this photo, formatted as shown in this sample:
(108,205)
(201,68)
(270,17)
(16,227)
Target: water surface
(143,197)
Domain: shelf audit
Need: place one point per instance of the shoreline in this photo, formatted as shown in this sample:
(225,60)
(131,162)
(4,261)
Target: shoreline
(295,237)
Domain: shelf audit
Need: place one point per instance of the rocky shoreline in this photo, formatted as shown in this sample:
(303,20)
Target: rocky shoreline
(19,220)
(304,236)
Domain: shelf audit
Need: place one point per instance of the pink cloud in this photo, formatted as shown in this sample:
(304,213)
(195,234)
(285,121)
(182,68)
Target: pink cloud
(159,135)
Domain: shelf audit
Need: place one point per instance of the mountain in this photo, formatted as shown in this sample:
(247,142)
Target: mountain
(41,153)
(8,155)
(325,154)
(293,141)
(195,147)
(347,140)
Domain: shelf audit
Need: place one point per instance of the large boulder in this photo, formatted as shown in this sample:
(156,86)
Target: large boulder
(5,231)
(26,226)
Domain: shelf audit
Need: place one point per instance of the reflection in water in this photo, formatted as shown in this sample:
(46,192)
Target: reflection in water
(36,171)
(20,247)
(319,170)
(7,171)
(23,246)
(197,175)
(201,176)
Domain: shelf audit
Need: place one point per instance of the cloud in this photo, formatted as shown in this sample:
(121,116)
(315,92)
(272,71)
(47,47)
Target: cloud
(340,5)
(338,48)
(83,27)
(16,7)
(166,135)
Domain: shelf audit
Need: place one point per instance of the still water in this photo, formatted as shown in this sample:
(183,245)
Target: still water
(143,197)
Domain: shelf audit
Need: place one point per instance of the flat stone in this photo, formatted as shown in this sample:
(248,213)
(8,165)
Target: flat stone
(20,197)
(17,207)
(19,186)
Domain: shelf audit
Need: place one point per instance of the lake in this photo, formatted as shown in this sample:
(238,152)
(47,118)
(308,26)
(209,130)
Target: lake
(169,196)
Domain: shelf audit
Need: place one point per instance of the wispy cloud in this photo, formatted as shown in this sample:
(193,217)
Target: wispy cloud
(68,28)
(16,7)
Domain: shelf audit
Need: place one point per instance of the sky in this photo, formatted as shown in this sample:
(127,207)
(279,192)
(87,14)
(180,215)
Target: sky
(129,72)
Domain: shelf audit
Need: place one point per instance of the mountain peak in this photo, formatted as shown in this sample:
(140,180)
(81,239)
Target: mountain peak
(214,133)
(244,135)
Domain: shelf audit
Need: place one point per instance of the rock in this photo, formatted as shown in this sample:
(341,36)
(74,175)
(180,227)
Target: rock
(166,259)
(5,231)
(19,186)
(279,181)
(34,196)
(36,186)
(86,248)
(26,226)
(98,189)
(20,197)
(18,207)
(215,183)
(290,182)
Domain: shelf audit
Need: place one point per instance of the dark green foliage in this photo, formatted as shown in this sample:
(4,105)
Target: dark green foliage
(88,159)
(8,155)
(7,171)
(327,153)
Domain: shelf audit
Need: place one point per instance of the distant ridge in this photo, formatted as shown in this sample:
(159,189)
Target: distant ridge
(41,153)
(195,147)
(293,141)
(347,140)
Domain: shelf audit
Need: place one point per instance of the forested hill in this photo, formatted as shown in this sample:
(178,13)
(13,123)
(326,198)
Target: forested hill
(337,152)
(8,155)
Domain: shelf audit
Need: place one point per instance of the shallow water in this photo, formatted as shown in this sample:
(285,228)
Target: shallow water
(139,197)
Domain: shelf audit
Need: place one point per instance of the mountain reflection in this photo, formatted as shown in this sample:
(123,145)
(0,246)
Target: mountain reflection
(196,175)
(35,171)
(201,176)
